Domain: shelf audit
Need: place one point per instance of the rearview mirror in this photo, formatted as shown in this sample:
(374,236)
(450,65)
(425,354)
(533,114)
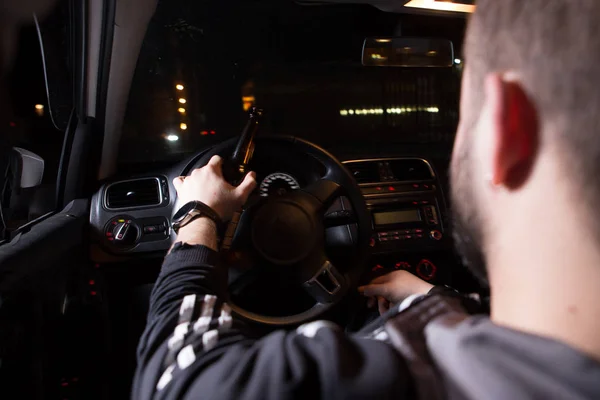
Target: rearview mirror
(407,52)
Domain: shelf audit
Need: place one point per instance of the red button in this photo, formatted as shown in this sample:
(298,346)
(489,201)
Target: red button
(383,239)
(392,189)
(402,265)
(376,268)
(424,202)
(418,230)
(396,238)
(416,186)
(419,236)
(382,233)
(407,237)
(372,242)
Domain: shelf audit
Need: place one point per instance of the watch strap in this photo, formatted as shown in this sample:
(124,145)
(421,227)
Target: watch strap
(197,209)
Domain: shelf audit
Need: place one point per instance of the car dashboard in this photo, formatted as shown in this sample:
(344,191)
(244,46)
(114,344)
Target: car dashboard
(130,219)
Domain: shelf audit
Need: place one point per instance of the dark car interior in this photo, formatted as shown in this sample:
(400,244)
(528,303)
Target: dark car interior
(346,111)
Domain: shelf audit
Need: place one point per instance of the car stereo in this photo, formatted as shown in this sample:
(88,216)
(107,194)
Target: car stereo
(406,222)
(406,204)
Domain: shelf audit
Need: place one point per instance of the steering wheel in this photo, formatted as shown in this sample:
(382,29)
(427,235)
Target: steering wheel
(287,232)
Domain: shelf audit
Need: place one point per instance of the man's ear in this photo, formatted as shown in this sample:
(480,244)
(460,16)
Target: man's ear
(513,132)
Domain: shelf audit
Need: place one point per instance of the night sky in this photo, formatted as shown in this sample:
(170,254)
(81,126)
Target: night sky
(300,63)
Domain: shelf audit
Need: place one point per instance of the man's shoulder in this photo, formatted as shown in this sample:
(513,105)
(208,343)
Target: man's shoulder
(452,354)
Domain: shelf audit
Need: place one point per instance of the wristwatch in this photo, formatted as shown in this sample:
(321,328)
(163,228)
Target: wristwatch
(191,211)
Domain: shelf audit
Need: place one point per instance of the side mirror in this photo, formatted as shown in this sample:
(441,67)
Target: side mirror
(27,168)
(407,52)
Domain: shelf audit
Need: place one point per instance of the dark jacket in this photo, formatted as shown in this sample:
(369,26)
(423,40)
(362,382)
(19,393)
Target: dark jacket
(195,347)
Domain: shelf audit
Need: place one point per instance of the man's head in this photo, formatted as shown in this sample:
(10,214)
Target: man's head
(530,122)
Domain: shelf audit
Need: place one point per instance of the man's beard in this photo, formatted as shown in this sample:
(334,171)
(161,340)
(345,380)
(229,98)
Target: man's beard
(467,219)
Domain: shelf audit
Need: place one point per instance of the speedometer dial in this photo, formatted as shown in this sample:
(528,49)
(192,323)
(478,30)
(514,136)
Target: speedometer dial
(278,184)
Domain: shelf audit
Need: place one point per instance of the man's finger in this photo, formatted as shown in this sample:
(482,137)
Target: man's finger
(371,302)
(374,290)
(383,305)
(382,279)
(177,182)
(215,160)
(247,185)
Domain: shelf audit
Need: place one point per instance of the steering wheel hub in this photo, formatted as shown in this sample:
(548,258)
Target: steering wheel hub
(284,232)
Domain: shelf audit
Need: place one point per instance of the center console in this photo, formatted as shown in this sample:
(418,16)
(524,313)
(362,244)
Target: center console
(408,214)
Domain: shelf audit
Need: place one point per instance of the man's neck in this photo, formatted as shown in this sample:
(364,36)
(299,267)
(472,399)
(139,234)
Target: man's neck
(549,285)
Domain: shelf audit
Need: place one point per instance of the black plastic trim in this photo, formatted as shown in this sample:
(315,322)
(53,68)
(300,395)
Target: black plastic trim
(105,59)
(79,39)
(63,167)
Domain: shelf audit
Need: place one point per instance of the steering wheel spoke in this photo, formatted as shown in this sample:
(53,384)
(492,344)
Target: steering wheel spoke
(324,191)
(327,285)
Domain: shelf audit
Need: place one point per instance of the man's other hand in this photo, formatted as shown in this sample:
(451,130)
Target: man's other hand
(207,185)
(394,287)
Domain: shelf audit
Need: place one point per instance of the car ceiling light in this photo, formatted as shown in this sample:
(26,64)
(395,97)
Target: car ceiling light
(172,138)
(183,126)
(441,6)
(457,61)
(179,87)
(181,110)
(39,106)
(182,100)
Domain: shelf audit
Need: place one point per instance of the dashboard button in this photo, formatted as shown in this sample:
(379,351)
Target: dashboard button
(151,229)
(402,265)
(377,268)
(408,237)
(396,237)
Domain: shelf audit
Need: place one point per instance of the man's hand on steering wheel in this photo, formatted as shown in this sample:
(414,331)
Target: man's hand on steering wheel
(392,288)
(207,185)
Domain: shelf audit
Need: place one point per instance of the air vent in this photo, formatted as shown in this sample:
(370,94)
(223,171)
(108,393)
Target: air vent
(133,193)
(411,170)
(364,171)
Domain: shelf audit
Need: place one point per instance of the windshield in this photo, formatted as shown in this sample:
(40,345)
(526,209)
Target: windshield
(203,64)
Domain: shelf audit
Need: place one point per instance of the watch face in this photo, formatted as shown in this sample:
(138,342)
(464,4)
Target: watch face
(183,211)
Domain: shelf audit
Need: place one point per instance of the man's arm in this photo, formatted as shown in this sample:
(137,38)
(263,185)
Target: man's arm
(194,346)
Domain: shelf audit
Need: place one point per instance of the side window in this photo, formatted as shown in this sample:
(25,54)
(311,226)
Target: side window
(32,130)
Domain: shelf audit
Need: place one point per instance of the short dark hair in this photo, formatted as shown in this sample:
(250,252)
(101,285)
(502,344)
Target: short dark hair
(554,45)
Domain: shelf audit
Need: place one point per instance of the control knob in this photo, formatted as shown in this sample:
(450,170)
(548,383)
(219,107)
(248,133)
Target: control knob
(122,232)
(426,270)
(436,235)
